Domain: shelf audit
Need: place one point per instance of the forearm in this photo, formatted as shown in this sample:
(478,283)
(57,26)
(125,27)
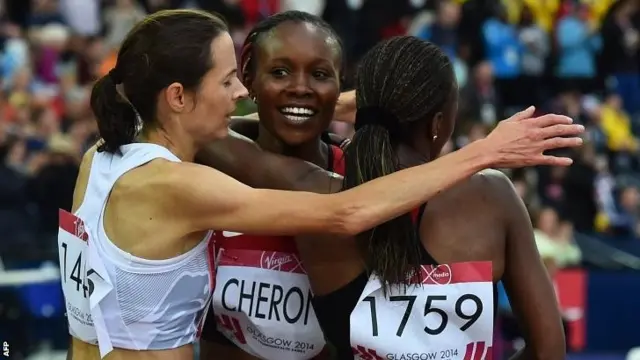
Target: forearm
(233,155)
(385,198)
(244,161)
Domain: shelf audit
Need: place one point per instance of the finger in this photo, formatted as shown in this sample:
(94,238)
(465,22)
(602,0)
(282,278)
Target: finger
(524,114)
(561,130)
(558,143)
(554,161)
(549,119)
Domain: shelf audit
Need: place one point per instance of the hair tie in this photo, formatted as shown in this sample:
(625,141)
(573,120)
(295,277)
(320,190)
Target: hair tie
(377,116)
(115,76)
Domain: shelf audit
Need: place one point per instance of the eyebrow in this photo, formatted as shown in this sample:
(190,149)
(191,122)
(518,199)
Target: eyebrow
(315,62)
(233,71)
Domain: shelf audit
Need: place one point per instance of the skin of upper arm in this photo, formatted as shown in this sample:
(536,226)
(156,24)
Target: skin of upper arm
(207,199)
(240,158)
(526,280)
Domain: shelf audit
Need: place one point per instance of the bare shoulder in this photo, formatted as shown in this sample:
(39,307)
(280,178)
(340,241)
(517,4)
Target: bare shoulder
(494,179)
(83,177)
(497,186)
(488,186)
(161,176)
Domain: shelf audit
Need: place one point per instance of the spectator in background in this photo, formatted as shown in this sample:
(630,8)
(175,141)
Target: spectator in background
(555,241)
(579,186)
(16,50)
(592,110)
(503,50)
(605,187)
(577,47)
(534,57)
(52,183)
(44,12)
(543,11)
(83,16)
(443,32)
(622,145)
(479,98)
(625,222)
(621,34)
(16,223)
(550,187)
(50,42)
(119,19)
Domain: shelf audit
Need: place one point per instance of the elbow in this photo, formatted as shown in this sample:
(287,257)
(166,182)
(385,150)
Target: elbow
(554,348)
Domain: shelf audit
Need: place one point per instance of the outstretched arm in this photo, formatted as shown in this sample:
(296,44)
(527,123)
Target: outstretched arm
(223,203)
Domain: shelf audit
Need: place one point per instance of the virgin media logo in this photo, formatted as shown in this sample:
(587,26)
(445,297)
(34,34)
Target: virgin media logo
(280,262)
(80,231)
(436,275)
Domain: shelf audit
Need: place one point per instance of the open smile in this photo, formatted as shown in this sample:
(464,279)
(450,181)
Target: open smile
(298,114)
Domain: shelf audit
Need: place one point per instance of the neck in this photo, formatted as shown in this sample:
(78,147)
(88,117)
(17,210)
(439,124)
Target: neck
(410,157)
(313,151)
(184,150)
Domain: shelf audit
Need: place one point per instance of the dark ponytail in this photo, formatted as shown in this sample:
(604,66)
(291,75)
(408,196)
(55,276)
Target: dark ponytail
(401,84)
(391,249)
(117,119)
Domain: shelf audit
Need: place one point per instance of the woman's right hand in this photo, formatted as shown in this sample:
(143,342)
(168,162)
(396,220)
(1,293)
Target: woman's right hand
(522,140)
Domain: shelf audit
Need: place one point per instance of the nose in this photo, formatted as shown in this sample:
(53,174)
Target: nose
(242,92)
(299,86)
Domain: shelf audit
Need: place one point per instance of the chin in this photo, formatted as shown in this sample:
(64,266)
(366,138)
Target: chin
(222,133)
(295,138)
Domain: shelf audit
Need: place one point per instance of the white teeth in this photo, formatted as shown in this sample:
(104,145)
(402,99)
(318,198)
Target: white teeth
(297,119)
(298,111)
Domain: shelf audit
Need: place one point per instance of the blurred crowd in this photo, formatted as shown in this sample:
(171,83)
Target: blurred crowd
(576,57)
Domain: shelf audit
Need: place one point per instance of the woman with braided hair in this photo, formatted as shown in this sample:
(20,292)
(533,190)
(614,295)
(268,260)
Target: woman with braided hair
(420,285)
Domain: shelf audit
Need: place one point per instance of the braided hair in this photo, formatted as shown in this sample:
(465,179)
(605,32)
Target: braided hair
(248,54)
(406,81)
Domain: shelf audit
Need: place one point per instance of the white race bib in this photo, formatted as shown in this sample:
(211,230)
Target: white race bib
(72,249)
(448,317)
(262,302)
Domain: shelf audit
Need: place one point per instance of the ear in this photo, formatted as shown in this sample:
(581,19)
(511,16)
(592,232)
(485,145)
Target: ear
(175,97)
(248,83)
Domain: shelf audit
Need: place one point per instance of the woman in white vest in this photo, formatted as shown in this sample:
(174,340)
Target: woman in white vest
(420,286)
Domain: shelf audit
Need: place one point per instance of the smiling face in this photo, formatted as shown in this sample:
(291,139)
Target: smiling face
(296,81)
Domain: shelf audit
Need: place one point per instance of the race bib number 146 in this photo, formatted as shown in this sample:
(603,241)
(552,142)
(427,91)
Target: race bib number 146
(76,286)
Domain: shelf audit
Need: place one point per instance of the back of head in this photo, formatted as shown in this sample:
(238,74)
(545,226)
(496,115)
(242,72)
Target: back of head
(171,46)
(401,85)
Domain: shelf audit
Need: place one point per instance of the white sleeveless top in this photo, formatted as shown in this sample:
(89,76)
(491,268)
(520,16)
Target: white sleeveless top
(115,299)
(262,299)
(448,317)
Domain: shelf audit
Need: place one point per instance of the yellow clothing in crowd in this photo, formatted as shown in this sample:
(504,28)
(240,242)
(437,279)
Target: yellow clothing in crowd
(616,126)
(563,254)
(544,11)
(598,8)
